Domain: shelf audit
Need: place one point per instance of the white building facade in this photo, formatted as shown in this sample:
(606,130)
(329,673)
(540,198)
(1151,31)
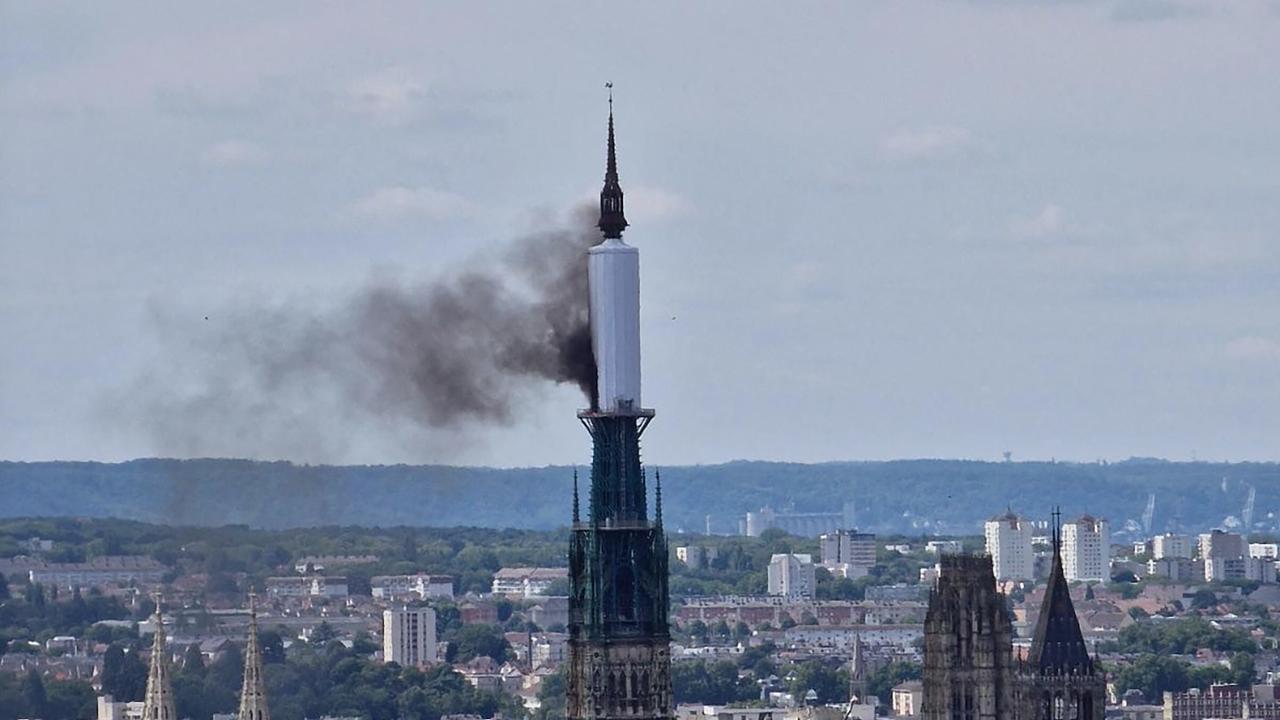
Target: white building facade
(792,575)
(409,636)
(1170,545)
(1086,550)
(1009,545)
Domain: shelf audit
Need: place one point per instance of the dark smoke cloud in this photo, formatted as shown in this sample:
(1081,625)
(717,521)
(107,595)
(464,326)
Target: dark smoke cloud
(278,380)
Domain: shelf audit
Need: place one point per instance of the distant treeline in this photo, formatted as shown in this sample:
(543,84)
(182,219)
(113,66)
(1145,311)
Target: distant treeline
(907,496)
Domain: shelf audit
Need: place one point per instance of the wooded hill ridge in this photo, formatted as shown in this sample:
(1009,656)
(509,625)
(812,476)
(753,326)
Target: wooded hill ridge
(904,496)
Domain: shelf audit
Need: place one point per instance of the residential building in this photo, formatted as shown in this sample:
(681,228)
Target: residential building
(848,553)
(1086,550)
(792,575)
(1264,550)
(109,709)
(1171,545)
(1221,553)
(696,556)
(907,697)
(1009,545)
(550,612)
(1176,569)
(312,564)
(1220,544)
(527,581)
(99,572)
(1262,570)
(1223,701)
(938,547)
(423,585)
(409,636)
(307,586)
(478,613)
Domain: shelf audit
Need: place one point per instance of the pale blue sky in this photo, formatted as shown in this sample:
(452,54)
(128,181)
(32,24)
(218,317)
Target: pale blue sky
(868,230)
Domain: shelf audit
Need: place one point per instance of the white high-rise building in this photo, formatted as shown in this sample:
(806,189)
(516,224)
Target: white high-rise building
(792,575)
(409,636)
(1086,550)
(1009,545)
(1170,545)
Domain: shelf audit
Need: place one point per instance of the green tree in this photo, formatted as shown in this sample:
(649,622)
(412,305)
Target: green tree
(551,697)
(33,694)
(1153,675)
(475,640)
(1242,669)
(816,676)
(883,679)
(124,677)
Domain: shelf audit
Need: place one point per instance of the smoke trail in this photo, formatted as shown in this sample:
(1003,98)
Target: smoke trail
(263,381)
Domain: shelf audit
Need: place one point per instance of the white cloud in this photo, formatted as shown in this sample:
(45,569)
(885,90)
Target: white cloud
(230,152)
(1047,222)
(390,96)
(1253,347)
(398,201)
(914,143)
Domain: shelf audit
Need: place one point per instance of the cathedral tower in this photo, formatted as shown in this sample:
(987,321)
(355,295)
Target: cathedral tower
(968,645)
(619,642)
(158,702)
(1059,681)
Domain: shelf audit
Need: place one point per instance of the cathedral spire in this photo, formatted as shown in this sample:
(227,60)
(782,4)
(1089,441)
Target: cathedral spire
(1057,645)
(253,693)
(158,702)
(612,219)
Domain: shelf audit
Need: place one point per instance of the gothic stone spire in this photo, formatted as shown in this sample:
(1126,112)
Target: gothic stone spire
(612,219)
(253,693)
(1057,646)
(158,703)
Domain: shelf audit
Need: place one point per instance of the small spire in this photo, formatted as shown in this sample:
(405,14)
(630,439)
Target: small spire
(612,219)
(575,495)
(158,702)
(253,691)
(657,497)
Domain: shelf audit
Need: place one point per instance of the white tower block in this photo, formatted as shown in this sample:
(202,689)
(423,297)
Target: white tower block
(614,276)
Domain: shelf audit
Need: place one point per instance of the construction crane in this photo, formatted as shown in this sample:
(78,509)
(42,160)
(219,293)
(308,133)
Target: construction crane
(1247,514)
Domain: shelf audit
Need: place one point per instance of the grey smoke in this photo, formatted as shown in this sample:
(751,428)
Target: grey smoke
(411,358)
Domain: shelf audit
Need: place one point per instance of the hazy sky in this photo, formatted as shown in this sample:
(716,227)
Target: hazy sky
(867,230)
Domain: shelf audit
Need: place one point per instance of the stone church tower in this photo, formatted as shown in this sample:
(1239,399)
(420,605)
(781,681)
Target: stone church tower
(968,643)
(1059,681)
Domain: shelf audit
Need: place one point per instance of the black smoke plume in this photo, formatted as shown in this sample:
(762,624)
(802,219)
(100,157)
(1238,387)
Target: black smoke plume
(280,379)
